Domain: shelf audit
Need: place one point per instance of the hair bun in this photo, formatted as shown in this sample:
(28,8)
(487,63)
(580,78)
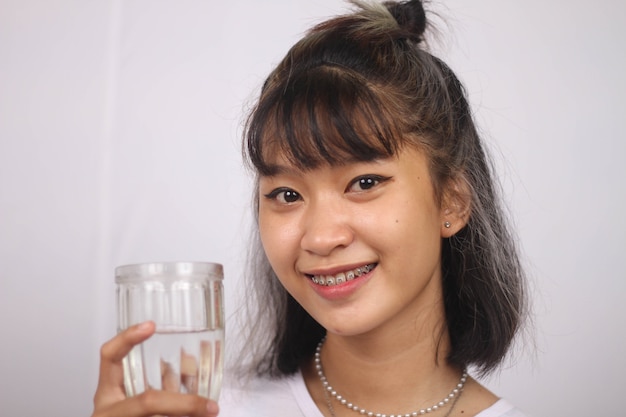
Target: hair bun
(410,16)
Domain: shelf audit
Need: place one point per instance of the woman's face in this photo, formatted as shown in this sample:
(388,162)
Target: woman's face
(357,245)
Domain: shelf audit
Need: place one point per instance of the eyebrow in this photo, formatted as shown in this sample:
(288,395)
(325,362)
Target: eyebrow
(272,170)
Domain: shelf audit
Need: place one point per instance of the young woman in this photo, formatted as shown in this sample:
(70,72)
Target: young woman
(384,267)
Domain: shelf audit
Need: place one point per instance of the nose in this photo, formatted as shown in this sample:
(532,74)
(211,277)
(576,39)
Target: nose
(326,227)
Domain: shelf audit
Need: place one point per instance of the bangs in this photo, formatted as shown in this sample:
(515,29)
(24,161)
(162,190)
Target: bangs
(324,115)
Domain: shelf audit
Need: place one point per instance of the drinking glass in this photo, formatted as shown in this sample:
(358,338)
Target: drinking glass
(185,301)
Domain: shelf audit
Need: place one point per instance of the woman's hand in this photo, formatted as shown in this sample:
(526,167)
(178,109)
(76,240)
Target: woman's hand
(110,399)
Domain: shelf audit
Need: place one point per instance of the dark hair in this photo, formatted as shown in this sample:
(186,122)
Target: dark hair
(359,87)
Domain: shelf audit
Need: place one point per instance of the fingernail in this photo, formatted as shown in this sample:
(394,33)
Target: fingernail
(144,325)
(212,407)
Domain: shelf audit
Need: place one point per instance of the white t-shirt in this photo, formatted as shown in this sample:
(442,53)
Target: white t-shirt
(289,397)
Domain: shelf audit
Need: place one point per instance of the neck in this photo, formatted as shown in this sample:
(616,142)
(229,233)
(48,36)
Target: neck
(329,393)
(385,375)
(398,366)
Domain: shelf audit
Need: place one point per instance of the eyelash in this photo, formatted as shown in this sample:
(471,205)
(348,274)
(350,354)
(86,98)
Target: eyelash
(288,193)
(372,180)
(273,195)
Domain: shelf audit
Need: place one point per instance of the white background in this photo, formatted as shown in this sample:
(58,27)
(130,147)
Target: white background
(119,143)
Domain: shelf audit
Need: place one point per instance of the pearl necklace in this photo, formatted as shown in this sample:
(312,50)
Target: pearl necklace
(329,389)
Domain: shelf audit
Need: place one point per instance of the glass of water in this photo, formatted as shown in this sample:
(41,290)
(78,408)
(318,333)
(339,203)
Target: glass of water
(184,300)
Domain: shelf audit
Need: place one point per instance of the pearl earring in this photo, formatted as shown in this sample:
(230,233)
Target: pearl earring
(447,224)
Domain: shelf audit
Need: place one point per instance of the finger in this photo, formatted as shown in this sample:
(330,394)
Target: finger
(188,363)
(156,402)
(190,383)
(170,380)
(117,348)
(189,372)
(113,351)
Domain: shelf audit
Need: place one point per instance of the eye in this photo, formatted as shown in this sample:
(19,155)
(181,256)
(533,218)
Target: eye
(366,182)
(283,195)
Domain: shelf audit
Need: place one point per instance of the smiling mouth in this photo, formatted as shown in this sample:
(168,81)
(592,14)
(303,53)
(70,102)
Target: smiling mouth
(342,277)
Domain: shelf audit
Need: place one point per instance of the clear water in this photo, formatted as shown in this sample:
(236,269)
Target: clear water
(182,361)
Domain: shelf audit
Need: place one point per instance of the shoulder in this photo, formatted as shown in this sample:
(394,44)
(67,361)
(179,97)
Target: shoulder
(263,397)
(501,408)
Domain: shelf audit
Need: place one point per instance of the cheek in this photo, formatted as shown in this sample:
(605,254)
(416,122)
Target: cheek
(268,235)
(279,238)
(410,223)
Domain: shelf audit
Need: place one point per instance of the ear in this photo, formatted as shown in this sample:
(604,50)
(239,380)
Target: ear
(456,206)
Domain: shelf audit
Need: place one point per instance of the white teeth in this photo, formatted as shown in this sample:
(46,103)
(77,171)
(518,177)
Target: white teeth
(341,277)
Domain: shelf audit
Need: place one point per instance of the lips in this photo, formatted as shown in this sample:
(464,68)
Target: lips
(341,277)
